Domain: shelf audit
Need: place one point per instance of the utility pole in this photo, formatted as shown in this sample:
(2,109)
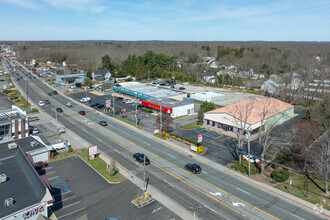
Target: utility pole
(27,90)
(248,135)
(56,116)
(113,102)
(144,173)
(136,116)
(161,122)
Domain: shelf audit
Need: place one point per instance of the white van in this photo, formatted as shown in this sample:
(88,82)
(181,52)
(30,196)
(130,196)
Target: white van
(85,99)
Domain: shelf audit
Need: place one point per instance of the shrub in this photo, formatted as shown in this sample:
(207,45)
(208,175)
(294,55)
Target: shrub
(6,91)
(183,138)
(70,149)
(146,109)
(11,93)
(16,100)
(274,166)
(200,149)
(239,167)
(22,105)
(280,175)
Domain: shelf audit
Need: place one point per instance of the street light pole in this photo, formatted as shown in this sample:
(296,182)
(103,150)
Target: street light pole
(160,121)
(248,135)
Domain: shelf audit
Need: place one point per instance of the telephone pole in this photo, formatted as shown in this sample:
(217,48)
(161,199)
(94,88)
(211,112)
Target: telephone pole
(161,122)
(136,116)
(113,102)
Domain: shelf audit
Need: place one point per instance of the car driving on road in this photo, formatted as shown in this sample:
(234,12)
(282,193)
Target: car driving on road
(140,158)
(69,104)
(103,123)
(195,168)
(41,103)
(82,112)
(59,109)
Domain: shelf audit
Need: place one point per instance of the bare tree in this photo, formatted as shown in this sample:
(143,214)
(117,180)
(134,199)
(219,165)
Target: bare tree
(242,113)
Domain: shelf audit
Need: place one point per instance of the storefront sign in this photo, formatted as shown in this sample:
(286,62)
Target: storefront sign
(193,148)
(225,118)
(33,211)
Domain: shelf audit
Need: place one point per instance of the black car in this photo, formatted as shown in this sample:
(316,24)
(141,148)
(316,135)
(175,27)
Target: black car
(195,168)
(54,92)
(50,94)
(94,105)
(182,88)
(47,101)
(59,109)
(99,106)
(103,123)
(140,158)
(119,98)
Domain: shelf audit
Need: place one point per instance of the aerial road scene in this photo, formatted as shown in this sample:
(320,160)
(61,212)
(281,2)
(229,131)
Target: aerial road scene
(167,110)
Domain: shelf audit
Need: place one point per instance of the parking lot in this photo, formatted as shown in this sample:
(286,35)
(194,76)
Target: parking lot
(78,190)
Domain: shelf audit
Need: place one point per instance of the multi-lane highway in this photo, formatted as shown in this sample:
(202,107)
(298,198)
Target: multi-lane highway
(219,195)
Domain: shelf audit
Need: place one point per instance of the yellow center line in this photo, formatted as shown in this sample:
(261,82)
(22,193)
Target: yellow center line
(165,161)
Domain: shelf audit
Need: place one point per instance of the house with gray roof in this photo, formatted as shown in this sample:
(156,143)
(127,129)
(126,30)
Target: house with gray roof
(101,75)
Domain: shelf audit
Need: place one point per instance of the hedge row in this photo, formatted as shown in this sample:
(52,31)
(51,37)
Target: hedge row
(147,109)
(280,175)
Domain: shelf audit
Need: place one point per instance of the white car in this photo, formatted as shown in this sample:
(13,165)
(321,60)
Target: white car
(252,159)
(128,101)
(69,104)
(41,103)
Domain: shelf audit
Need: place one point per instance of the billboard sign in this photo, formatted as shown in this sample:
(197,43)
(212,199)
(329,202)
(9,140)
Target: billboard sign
(200,137)
(107,104)
(92,150)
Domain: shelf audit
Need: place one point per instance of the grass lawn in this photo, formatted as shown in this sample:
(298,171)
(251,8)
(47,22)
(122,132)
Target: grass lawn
(182,116)
(299,186)
(24,101)
(98,164)
(191,126)
(128,122)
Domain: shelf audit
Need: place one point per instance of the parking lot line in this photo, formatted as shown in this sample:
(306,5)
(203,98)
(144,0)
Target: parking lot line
(71,205)
(50,173)
(71,213)
(62,193)
(53,178)
(62,200)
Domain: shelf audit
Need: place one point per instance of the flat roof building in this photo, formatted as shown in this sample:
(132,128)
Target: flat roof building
(24,194)
(207,96)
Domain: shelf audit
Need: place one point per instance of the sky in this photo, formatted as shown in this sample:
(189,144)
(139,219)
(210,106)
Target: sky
(169,20)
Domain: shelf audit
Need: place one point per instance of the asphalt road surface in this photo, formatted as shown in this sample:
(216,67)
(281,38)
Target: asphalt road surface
(220,195)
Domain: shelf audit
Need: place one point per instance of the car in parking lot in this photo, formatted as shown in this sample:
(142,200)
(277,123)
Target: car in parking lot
(182,88)
(54,92)
(103,123)
(94,105)
(140,158)
(59,109)
(128,101)
(252,159)
(195,168)
(40,165)
(41,103)
(119,98)
(47,101)
(82,112)
(33,118)
(100,106)
(33,130)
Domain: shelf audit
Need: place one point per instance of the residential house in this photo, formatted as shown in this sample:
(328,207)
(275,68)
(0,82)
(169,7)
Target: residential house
(272,85)
(209,77)
(101,75)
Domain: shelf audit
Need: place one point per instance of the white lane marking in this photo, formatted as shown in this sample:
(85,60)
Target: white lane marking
(216,193)
(204,171)
(155,210)
(71,205)
(147,144)
(238,204)
(211,209)
(71,213)
(297,216)
(171,155)
(242,190)
(50,172)
(117,151)
(53,177)
(168,183)
(126,133)
(62,193)
(64,200)
(47,168)
(90,123)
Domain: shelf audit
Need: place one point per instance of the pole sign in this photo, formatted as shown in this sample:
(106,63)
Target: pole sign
(200,137)
(92,151)
(107,104)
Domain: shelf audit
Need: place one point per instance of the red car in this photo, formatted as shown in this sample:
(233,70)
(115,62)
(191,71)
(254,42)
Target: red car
(40,165)
(82,112)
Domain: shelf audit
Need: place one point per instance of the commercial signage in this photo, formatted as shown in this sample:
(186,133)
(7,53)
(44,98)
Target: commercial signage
(92,150)
(200,137)
(33,211)
(193,148)
(107,104)
(156,106)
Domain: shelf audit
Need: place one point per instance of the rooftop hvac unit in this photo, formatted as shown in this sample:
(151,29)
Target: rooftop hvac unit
(9,202)
(12,146)
(34,144)
(3,178)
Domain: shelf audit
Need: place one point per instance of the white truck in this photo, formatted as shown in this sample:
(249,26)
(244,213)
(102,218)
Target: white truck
(85,99)
(59,145)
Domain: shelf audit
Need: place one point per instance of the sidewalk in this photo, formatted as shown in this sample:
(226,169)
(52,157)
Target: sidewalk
(185,149)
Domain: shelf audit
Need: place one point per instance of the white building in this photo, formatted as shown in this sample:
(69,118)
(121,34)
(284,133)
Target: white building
(207,96)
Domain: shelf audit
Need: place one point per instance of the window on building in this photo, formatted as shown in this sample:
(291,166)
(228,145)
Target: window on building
(4,130)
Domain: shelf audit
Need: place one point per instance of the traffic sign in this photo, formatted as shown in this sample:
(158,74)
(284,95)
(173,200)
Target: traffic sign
(200,137)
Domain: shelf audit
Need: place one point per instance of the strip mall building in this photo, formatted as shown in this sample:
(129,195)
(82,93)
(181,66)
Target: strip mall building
(249,115)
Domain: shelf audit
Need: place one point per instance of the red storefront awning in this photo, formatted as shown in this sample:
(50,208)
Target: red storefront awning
(156,106)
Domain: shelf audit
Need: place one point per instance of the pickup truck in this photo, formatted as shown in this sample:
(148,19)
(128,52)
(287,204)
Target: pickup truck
(59,145)
(85,99)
